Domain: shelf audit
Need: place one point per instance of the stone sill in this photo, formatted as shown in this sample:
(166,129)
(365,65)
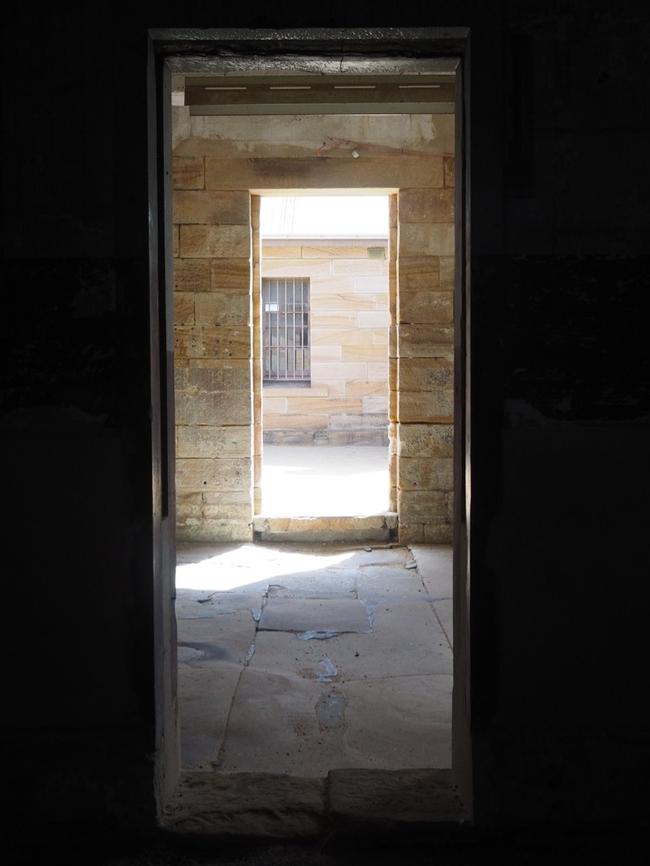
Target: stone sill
(298,391)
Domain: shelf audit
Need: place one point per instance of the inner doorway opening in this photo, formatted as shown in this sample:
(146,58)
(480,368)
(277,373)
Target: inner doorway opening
(219,570)
(324,263)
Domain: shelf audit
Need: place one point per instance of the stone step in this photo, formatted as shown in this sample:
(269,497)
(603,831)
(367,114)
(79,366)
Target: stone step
(366,527)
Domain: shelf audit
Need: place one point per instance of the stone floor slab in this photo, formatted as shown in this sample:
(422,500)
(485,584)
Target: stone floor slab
(386,582)
(435,565)
(314,614)
(225,638)
(445,611)
(399,722)
(274,727)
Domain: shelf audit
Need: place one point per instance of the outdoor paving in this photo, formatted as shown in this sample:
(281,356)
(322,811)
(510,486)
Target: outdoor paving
(301,660)
(306,480)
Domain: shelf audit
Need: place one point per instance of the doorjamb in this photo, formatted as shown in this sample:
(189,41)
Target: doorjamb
(347,50)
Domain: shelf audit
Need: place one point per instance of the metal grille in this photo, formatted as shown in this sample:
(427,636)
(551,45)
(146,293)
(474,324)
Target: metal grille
(285,330)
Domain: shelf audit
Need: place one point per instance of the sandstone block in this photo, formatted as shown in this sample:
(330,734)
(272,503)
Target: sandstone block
(426,205)
(360,267)
(216,343)
(183,308)
(207,441)
(421,506)
(230,275)
(270,251)
(375,403)
(210,207)
(419,273)
(341,301)
(189,504)
(425,341)
(214,530)
(217,377)
(336,337)
(275,404)
(447,272)
(191,275)
(364,353)
(223,241)
(322,251)
(222,309)
(320,405)
(433,407)
(373,319)
(376,371)
(420,473)
(438,533)
(425,374)
(426,307)
(323,173)
(326,353)
(176,240)
(422,239)
(188,172)
(214,408)
(295,422)
(425,440)
(410,533)
(225,473)
(365,388)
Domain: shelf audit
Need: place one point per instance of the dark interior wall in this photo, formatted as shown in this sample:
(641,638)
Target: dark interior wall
(559,412)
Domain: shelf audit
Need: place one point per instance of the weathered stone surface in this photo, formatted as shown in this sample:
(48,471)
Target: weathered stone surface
(227,505)
(433,407)
(230,275)
(425,205)
(435,563)
(188,172)
(377,527)
(418,273)
(191,275)
(222,241)
(416,239)
(260,173)
(438,533)
(233,803)
(425,506)
(220,376)
(425,440)
(425,374)
(219,309)
(213,343)
(420,473)
(189,504)
(426,307)
(425,341)
(213,441)
(225,473)
(218,408)
(212,207)
(214,530)
(400,795)
(302,135)
(447,272)
(410,533)
(183,308)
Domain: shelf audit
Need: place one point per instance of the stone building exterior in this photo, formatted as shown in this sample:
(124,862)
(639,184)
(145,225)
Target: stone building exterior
(345,400)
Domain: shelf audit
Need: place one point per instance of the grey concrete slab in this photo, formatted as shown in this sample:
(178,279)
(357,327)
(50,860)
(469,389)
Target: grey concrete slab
(314,614)
(445,610)
(435,566)
(399,722)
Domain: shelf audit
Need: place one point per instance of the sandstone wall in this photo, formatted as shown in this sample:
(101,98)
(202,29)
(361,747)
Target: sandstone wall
(218,163)
(347,401)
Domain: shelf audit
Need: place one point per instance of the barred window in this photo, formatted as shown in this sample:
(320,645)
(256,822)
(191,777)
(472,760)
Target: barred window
(285,330)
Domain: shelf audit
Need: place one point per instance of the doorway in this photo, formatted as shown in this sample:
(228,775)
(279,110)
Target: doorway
(410,246)
(325,320)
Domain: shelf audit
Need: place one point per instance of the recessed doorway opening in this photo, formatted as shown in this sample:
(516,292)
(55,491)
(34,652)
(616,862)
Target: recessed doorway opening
(325,321)
(330,597)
